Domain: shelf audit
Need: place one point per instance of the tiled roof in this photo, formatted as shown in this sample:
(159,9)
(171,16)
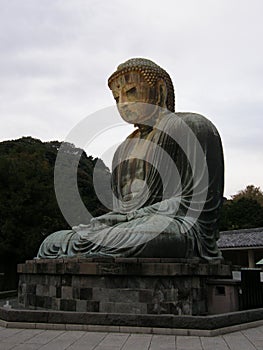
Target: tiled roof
(241,238)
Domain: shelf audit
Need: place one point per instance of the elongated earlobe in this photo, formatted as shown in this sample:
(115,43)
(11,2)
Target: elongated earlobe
(162,91)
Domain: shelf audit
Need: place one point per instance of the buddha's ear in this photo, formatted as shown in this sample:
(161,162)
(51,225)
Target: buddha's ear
(162,92)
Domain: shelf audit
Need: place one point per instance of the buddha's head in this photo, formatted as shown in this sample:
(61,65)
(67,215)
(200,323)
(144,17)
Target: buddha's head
(140,87)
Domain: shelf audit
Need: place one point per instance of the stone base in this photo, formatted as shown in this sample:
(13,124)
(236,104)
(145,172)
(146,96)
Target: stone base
(120,285)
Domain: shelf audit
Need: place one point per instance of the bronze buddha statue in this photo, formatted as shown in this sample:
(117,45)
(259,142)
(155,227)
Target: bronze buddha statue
(167,179)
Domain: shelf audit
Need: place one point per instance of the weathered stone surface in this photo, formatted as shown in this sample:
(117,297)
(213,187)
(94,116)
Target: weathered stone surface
(161,321)
(148,267)
(66,280)
(88,268)
(145,295)
(119,286)
(55,304)
(123,308)
(42,289)
(81,306)
(52,290)
(85,293)
(58,292)
(66,292)
(67,305)
(93,306)
(44,302)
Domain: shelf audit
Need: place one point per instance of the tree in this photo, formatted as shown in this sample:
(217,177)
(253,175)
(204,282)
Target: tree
(244,210)
(241,214)
(28,206)
(250,192)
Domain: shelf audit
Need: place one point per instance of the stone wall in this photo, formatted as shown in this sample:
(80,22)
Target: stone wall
(135,286)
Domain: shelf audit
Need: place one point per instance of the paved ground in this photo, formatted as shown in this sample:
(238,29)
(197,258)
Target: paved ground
(33,339)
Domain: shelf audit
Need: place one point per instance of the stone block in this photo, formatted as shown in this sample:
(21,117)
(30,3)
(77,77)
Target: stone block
(81,306)
(184,270)
(116,282)
(171,294)
(22,288)
(112,269)
(186,308)
(81,259)
(47,302)
(42,289)
(199,308)
(126,260)
(31,288)
(195,294)
(88,268)
(31,299)
(132,269)
(82,281)
(123,295)
(72,267)
(195,282)
(85,293)
(51,268)
(93,306)
(149,260)
(22,300)
(66,292)
(161,269)
(44,267)
(20,268)
(30,268)
(55,304)
(59,267)
(105,259)
(58,292)
(75,293)
(224,270)
(67,305)
(164,308)
(185,284)
(44,302)
(201,269)
(54,280)
(52,291)
(66,280)
(100,294)
(185,293)
(146,295)
(123,308)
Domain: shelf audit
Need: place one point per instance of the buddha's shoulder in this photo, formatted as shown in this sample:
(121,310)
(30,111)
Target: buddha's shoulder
(197,122)
(191,117)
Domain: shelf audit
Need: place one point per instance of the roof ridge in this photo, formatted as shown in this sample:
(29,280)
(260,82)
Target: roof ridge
(242,230)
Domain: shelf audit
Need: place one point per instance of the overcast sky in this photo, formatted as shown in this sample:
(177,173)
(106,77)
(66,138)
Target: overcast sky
(56,56)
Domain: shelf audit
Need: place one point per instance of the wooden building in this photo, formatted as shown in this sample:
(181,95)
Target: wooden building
(242,247)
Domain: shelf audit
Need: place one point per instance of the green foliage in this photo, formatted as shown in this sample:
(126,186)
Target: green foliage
(250,192)
(28,206)
(243,211)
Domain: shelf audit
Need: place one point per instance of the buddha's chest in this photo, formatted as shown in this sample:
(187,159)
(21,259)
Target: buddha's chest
(133,178)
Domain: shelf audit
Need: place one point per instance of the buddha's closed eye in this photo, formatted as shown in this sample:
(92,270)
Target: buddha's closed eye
(131,91)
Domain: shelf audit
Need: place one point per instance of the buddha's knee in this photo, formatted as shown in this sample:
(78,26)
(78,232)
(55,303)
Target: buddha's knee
(168,245)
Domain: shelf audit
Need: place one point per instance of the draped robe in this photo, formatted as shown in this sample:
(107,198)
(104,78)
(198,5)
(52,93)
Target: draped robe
(168,178)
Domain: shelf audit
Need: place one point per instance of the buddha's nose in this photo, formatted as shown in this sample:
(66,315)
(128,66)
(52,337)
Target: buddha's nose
(122,98)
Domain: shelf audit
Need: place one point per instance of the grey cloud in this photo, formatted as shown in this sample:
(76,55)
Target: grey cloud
(56,56)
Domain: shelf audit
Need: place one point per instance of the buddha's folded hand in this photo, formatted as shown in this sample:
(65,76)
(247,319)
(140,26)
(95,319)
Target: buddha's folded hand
(109,219)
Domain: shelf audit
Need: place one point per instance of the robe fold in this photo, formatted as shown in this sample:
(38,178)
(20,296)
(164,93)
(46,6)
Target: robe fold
(168,180)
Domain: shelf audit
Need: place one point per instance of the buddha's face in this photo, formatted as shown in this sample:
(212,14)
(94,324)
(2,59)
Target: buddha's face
(136,100)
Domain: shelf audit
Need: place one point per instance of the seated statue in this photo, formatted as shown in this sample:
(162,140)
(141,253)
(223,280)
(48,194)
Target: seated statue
(167,179)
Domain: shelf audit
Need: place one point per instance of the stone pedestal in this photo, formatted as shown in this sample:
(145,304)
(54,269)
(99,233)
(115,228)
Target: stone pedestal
(120,285)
